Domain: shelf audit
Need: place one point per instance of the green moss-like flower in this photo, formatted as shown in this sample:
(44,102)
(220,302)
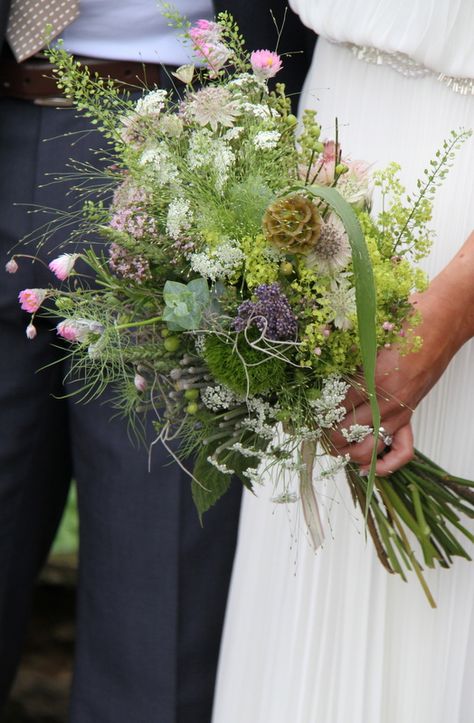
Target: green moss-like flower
(244,370)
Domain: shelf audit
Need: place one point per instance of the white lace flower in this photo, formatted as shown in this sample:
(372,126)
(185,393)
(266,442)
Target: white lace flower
(152,103)
(218,397)
(356,432)
(213,154)
(220,466)
(244,451)
(218,263)
(179,218)
(266,140)
(159,162)
(327,408)
(335,466)
(259,110)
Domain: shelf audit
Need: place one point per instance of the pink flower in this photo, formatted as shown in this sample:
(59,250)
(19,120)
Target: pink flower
(140,382)
(72,330)
(63,265)
(207,39)
(11,266)
(265,63)
(205,31)
(78,329)
(31,299)
(31,331)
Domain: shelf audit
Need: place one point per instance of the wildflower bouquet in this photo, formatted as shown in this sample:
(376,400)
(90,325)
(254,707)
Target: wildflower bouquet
(242,285)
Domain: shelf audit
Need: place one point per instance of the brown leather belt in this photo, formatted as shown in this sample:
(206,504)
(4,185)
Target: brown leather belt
(33,79)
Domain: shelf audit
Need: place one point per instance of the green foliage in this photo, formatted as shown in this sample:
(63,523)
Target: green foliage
(212,483)
(242,368)
(185,304)
(99,99)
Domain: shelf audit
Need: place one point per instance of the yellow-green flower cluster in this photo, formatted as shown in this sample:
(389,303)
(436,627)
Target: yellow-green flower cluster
(262,263)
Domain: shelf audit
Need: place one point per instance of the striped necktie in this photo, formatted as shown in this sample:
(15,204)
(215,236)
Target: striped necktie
(26,30)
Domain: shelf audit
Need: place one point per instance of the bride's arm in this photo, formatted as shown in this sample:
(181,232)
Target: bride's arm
(447,312)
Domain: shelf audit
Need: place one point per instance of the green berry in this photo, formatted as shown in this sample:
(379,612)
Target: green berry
(172,343)
(286,268)
(192,408)
(165,332)
(191,394)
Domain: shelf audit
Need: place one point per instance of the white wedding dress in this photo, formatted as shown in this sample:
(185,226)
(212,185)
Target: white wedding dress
(331,637)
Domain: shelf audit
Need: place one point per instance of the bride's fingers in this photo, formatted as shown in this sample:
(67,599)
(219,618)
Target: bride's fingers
(401,452)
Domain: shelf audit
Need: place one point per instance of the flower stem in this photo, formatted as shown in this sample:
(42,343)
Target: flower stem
(145,322)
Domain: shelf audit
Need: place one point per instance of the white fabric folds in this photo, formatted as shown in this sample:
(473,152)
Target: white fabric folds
(331,637)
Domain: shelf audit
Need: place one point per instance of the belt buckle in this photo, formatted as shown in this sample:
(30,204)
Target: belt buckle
(54,101)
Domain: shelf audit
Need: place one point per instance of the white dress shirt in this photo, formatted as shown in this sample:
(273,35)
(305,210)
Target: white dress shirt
(131,30)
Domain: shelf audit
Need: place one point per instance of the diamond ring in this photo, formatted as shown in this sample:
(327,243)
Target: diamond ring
(385,436)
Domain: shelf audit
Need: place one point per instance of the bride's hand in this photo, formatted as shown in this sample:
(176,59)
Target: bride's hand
(447,321)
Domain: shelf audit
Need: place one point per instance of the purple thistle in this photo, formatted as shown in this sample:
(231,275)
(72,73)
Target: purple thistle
(271,314)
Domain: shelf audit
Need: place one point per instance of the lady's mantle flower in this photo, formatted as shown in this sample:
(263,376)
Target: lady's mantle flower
(271,314)
(212,106)
(332,250)
(31,299)
(265,63)
(63,265)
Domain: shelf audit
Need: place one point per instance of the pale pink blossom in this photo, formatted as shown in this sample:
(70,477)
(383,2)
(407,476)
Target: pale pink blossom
(265,63)
(72,330)
(11,266)
(78,329)
(207,38)
(31,299)
(63,265)
(31,331)
(140,382)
